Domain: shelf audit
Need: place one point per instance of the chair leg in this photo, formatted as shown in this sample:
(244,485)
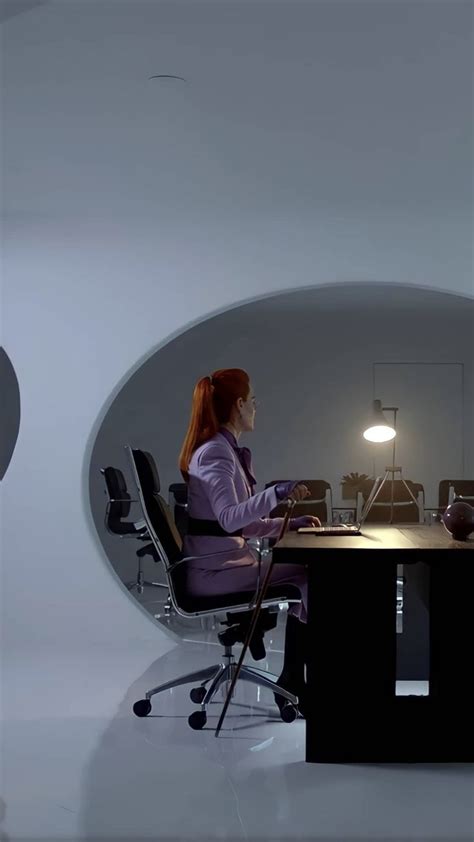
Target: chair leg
(214,686)
(142,583)
(265,673)
(247,674)
(155,584)
(200,675)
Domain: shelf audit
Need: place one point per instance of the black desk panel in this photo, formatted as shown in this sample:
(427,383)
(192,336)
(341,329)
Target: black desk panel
(354,714)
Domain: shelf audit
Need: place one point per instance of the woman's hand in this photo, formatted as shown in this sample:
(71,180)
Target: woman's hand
(299,492)
(303,521)
(291,490)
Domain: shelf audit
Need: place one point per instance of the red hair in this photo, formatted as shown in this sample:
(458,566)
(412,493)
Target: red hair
(213,400)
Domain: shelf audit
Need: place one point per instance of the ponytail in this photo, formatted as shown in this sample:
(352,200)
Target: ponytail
(213,400)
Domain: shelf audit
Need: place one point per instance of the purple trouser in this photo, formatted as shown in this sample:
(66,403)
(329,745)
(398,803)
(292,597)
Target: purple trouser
(241,574)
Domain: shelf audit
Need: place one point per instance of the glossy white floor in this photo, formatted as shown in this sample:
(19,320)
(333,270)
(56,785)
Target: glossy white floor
(79,765)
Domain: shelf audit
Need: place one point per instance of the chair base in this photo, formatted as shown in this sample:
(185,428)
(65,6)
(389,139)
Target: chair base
(216,676)
(140,584)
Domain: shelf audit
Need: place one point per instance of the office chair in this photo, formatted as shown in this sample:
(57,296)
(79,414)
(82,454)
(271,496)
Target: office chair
(168,544)
(451,488)
(404,509)
(118,507)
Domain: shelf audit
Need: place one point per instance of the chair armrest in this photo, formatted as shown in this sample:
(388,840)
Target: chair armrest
(224,554)
(138,528)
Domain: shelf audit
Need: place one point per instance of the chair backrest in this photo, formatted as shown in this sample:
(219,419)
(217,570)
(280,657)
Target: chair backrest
(404,509)
(451,488)
(156,511)
(319,503)
(119,502)
(178,500)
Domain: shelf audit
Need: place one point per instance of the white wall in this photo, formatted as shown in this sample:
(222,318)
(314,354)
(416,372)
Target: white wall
(316,143)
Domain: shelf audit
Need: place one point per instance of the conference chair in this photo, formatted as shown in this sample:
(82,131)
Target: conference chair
(168,544)
(118,508)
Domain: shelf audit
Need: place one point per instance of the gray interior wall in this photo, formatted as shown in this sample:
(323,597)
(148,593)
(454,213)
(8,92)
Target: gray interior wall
(310,355)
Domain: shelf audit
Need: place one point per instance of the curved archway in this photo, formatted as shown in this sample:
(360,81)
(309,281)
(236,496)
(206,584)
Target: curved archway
(347,326)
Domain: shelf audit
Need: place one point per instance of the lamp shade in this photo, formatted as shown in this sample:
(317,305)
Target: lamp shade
(378,428)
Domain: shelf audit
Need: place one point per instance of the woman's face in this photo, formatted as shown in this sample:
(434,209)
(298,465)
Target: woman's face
(247,412)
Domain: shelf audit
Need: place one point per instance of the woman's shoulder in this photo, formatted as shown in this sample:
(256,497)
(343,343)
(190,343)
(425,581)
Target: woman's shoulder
(215,447)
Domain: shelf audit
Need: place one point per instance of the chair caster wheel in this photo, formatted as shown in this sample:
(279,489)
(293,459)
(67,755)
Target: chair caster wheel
(197,695)
(288,712)
(197,720)
(142,708)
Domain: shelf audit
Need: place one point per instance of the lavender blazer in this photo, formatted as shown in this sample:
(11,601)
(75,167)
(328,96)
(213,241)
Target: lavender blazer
(218,489)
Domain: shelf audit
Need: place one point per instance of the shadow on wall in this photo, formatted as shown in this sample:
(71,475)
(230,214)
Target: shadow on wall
(10,391)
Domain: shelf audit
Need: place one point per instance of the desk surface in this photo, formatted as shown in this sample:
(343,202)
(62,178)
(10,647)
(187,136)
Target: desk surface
(378,537)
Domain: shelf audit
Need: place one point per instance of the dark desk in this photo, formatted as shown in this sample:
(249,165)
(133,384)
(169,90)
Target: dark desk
(354,713)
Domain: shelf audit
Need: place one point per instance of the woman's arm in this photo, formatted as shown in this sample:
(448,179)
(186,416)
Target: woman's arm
(216,473)
(266,527)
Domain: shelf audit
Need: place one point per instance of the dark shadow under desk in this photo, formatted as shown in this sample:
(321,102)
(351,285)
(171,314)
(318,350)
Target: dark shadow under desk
(354,714)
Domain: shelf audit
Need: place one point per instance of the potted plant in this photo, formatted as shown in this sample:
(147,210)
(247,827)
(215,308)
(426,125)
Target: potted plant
(351,484)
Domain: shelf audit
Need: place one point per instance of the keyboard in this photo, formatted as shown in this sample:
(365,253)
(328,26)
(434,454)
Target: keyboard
(332,529)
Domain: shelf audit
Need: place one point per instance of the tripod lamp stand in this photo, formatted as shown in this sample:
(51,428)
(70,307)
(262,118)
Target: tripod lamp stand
(379,430)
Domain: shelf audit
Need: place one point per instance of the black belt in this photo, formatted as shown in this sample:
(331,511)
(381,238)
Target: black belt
(198,526)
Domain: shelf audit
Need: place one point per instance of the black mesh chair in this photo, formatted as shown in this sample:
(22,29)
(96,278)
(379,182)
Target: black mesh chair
(118,508)
(168,544)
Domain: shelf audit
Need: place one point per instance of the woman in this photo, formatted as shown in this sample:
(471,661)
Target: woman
(224,511)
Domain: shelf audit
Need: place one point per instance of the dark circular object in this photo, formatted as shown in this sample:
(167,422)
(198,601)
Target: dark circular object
(197,720)
(142,708)
(458,519)
(197,695)
(288,712)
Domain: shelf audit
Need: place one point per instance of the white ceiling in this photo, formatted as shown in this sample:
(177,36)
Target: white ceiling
(331,107)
